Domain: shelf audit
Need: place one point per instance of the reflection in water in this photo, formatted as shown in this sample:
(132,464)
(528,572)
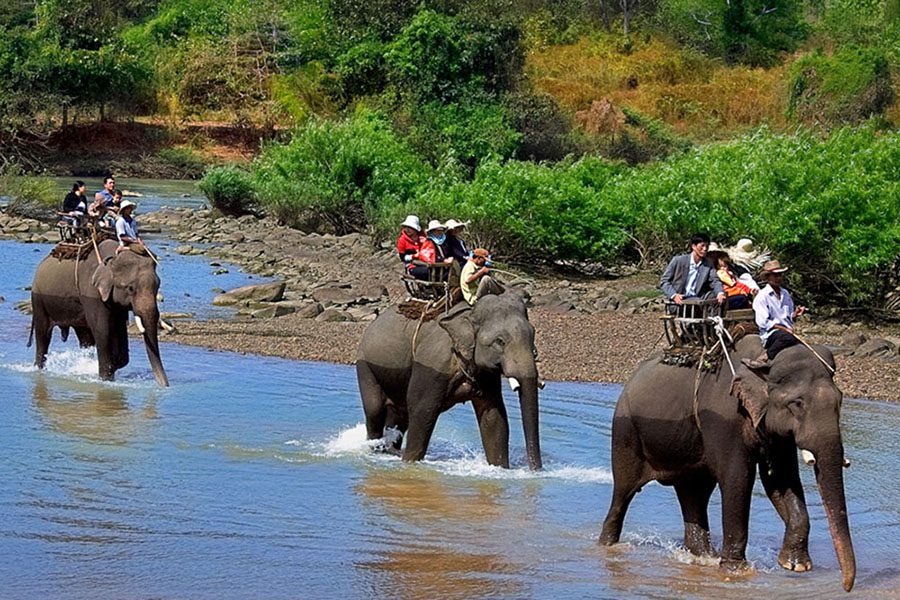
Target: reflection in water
(433,556)
(89,410)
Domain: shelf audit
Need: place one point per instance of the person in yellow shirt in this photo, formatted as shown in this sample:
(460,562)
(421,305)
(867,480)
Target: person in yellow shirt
(474,279)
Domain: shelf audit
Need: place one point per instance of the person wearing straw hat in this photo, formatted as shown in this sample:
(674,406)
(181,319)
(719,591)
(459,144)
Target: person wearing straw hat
(737,283)
(454,247)
(126,227)
(775,314)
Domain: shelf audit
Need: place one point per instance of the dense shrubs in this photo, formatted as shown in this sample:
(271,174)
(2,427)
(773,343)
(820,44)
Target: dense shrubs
(229,189)
(338,175)
(829,207)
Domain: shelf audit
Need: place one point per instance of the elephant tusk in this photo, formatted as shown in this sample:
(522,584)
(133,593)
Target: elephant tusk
(514,384)
(846,463)
(140,325)
(541,383)
(159,297)
(166,326)
(808,457)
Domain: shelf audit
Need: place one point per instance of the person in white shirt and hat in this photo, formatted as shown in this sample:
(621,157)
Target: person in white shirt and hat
(775,314)
(126,227)
(454,247)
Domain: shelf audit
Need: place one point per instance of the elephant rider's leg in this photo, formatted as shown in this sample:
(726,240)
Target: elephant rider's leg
(488,285)
(736,484)
(693,495)
(372,399)
(493,424)
(783,487)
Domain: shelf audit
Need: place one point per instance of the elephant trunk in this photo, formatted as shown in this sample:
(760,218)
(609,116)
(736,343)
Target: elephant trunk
(829,469)
(149,319)
(528,401)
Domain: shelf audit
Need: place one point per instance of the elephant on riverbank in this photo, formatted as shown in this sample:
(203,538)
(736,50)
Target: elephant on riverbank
(661,431)
(409,371)
(93,296)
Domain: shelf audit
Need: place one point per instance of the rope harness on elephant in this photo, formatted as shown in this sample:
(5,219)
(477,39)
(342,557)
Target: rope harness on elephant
(710,359)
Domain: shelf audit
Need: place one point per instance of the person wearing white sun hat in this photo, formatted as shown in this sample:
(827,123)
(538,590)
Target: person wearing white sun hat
(126,226)
(409,244)
(454,246)
(432,251)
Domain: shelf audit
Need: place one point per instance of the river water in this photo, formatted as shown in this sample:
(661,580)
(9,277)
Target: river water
(250,477)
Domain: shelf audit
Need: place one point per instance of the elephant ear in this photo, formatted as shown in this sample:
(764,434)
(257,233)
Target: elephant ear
(103,281)
(752,388)
(462,331)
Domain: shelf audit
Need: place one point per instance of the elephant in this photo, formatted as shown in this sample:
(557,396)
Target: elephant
(410,370)
(93,295)
(692,430)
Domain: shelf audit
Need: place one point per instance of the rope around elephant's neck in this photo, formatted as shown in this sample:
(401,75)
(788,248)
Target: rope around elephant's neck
(811,349)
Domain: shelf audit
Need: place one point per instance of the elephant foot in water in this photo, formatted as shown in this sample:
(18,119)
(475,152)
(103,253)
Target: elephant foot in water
(733,569)
(795,560)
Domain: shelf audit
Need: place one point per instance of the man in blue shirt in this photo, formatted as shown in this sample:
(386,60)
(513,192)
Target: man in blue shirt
(126,227)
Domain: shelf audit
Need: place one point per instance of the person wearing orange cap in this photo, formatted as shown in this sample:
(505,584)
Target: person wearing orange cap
(775,314)
(474,280)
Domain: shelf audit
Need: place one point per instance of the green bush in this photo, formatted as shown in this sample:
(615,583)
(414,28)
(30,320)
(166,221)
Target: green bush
(338,175)
(229,189)
(849,86)
(469,132)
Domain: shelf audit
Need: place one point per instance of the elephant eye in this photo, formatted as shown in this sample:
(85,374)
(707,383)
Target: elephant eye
(795,406)
(500,342)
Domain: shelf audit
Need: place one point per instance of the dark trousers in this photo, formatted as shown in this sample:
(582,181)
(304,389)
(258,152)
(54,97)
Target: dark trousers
(778,341)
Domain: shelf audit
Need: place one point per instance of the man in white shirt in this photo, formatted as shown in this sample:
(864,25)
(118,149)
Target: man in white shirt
(126,226)
(775,314)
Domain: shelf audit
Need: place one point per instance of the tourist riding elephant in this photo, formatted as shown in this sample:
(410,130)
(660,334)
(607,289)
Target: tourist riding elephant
(411,370)
(665,431)
(93,297)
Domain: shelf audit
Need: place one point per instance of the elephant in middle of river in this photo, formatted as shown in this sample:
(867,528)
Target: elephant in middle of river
(93,296)
(695,430)
(409,371)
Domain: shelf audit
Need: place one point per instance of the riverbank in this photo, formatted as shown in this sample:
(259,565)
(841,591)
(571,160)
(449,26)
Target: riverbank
(587,329)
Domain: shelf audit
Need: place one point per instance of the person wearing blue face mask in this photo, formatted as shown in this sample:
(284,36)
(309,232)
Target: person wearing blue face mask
(431,251)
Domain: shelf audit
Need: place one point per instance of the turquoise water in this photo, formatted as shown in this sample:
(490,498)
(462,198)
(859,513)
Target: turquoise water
(250,477)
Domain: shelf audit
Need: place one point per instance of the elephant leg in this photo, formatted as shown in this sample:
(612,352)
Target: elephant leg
(693,495)
(373,400)
(737,486)
(426,394)
(785,491)
(629,476)
(494,426)
(85,337)
(120,341)
(43,332)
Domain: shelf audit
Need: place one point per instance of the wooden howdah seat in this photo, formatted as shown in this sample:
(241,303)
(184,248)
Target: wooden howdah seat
(692,324)
(434,291)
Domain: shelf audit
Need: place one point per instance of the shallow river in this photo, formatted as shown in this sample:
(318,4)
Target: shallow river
(250,478)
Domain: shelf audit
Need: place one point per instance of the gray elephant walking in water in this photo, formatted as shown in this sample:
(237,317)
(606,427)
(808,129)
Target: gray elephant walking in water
(720,434)
(410,371)
(93,295)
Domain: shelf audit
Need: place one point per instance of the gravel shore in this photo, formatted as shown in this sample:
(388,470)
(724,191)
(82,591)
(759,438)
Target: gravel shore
(587,330)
